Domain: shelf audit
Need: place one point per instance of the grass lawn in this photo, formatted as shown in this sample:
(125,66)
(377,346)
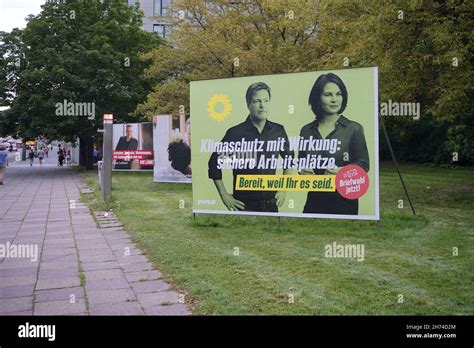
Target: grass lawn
(410,255)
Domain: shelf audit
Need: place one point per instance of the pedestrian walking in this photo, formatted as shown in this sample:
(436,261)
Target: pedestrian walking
(60,158)
(3,162)
(68,158)
(41,156)
(31,156)
(46,151)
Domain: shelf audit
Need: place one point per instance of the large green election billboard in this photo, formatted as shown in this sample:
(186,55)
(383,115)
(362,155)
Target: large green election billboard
(299,145)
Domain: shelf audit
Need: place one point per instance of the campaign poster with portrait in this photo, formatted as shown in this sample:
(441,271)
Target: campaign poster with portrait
(172,148)
(132,146)
(294,145)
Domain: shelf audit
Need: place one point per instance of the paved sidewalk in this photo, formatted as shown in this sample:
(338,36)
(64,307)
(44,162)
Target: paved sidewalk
(80,269)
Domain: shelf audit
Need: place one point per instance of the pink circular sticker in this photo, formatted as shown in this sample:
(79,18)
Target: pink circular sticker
(352,182)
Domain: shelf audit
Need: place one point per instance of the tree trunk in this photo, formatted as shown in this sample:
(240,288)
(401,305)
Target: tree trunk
(86,152)
(23,151)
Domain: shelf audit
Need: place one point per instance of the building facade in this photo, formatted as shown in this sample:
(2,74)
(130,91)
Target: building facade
(153,13)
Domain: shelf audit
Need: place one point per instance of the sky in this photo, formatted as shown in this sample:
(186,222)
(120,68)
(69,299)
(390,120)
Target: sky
(13,12)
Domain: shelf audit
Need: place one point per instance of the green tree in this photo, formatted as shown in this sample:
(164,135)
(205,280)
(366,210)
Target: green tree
(424,51)
(220,38)
(10,51)
(84,52)
(413,43)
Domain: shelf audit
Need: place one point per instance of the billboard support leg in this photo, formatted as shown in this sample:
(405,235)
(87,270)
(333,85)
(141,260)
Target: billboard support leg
(279,222)
(194,217)
(377,226)
(396,163)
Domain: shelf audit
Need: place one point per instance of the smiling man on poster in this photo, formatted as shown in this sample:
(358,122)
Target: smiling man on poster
(255,133)
(126,143)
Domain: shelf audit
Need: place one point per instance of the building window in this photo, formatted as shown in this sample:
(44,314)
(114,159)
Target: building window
(160,7)
(160,29)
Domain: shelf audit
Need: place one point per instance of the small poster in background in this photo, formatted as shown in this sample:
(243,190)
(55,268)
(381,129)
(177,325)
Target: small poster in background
(172,148)
(133,146)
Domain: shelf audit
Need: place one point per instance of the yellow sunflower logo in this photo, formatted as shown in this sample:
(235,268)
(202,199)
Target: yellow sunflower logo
(219,107)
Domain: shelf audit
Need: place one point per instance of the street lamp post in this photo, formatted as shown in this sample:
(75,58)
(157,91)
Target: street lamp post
(107,157)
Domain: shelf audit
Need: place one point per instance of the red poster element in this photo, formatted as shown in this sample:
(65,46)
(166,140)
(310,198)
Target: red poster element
(352,182)
(146,162)
(129,155)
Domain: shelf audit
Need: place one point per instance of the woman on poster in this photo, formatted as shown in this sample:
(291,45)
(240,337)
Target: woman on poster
(328,100)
